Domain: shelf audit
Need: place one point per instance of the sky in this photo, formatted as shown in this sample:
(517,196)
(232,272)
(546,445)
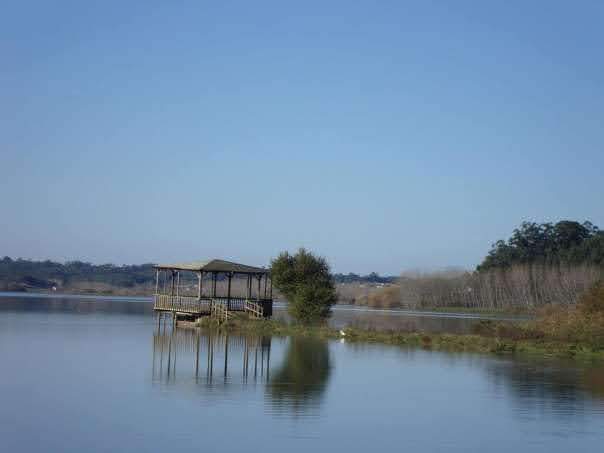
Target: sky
(384,135)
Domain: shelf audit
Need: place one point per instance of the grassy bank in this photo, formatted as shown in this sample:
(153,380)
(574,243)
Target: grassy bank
(557,332)
(483,342)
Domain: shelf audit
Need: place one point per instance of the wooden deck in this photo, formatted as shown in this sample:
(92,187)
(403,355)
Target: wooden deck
(218,307)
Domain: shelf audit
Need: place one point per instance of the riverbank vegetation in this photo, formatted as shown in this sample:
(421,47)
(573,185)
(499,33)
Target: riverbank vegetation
(540,265)
(572,332)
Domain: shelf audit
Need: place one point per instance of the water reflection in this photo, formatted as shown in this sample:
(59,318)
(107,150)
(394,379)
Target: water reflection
(114,378)
(343,315)
(558,388)
(209,355)
(75,304)
(211,363)
(301,380)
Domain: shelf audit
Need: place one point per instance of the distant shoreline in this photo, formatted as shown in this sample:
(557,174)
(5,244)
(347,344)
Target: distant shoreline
(465,314)
(63,295)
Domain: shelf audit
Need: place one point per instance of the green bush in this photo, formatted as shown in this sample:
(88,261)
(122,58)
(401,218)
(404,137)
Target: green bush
(307,284)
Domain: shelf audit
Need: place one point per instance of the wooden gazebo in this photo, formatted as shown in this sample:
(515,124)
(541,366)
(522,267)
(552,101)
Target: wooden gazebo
(213,287)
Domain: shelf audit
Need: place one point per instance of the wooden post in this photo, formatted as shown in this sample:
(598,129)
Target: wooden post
(256,362)
(170,353)
(259,286)
(271,293)
(210,364)
(249,286)
(177,282)
(213,285)
(156,280)
(226,354)
(197,357)
(268,363)
(229,292)
(199,289)
(265,284)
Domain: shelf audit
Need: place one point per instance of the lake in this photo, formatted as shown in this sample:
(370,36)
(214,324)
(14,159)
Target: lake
(97,375)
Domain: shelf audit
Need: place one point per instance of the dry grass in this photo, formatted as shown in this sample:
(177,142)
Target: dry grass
(386,297)
(370,294)
(580,325)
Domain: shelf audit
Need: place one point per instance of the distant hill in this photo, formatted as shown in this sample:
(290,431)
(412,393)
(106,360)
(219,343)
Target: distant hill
(79,276)
(370,278)
(24,275)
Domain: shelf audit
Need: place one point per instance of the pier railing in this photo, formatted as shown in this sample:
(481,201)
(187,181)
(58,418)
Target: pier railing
(254,309)
(218,306)
(183,304)
(220,310)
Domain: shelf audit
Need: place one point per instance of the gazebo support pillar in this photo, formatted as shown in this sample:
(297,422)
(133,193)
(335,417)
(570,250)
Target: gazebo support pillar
(229,291)
(199,288)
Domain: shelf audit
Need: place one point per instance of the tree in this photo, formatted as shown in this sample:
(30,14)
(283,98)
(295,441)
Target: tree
(307,284)
(569,234)
(566,241)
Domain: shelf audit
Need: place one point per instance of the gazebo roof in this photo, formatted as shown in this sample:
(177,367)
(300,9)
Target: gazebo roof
(213,266)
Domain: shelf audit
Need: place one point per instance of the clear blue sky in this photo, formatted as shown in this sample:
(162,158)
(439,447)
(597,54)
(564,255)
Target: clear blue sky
(383,135)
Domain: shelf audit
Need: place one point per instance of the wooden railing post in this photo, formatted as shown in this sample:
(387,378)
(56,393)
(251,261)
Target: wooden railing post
(229,291)
(156,280)
(213,285)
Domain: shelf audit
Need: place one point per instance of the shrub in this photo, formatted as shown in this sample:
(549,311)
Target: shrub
(305,281)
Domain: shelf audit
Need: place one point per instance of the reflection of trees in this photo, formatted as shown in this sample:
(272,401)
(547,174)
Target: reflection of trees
(302,378)
(194,360)
(73,304)
(538,385)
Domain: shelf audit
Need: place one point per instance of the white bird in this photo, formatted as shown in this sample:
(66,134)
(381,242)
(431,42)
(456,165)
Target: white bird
(342,333)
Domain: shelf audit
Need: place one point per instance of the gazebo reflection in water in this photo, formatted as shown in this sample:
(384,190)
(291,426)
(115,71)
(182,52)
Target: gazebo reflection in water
(209,356)
(219,363)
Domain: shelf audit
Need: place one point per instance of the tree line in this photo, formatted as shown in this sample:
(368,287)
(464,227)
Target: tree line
(21,273)
(563,243)
(540,264)
(373,277)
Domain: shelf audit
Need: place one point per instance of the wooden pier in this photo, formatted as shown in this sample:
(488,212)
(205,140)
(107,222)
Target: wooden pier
(215,288)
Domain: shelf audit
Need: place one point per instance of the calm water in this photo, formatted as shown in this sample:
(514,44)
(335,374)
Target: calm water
(105,378)
(343,315)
